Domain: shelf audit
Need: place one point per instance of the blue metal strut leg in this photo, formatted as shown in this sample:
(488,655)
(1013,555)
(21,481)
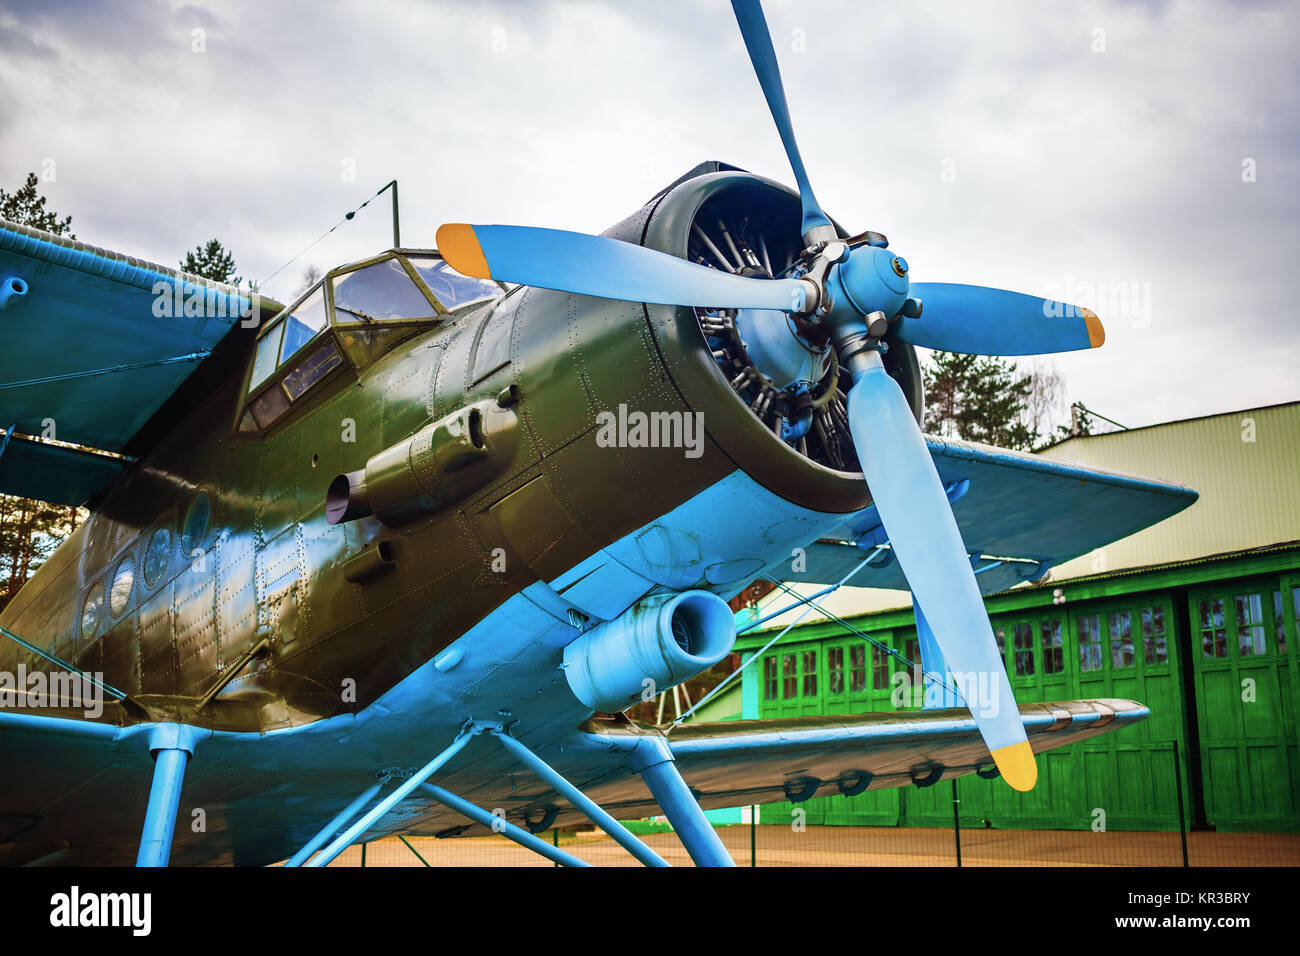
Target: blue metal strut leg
(372,816)
(501,824)
(653,759)
(171,746)
(333,827)
(580,800)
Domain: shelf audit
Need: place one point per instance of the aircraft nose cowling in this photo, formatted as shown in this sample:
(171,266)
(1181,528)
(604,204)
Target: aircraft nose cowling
(747,376)
(656,644)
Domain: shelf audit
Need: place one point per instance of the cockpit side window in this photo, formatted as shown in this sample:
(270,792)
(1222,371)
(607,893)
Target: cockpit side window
(287,343)
(302,324)
(452,289)
(268,355)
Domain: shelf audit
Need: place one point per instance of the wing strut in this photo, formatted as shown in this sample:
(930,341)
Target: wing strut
(662,771)
(812,604)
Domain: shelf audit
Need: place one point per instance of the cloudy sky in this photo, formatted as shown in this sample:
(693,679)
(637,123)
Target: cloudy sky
(1093,151)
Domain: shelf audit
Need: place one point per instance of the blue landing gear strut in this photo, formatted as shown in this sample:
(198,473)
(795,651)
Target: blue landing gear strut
(654,761)
(171,745)
(372,816)
(579,799)
(502,825)
(333,827)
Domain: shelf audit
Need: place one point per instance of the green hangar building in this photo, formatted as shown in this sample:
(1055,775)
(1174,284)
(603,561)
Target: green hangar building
(1195,617)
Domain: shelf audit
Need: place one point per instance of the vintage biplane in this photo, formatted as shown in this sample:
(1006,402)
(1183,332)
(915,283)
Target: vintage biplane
(362,566)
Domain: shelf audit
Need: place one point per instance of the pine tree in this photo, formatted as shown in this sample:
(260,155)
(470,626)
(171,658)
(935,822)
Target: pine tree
(26,207)
(978,398)
(211,261)
(996,399)
(947,379)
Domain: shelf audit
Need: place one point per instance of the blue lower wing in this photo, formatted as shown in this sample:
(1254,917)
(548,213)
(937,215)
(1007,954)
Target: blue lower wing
(75,790)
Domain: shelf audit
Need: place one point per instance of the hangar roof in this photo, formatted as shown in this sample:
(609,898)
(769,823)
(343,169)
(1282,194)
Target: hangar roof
(1245,464)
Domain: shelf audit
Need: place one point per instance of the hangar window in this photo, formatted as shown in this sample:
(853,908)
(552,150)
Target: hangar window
(1090,657)
(879,668)
(1155,647)
(769,678)
(1250,625)
(858,667)
(1214,636)
(1023,642)
(913,654)
(1053,651)
(1279,618)
(835,669)
(810,673)
(1121,639)
(1295,614)
(789,676)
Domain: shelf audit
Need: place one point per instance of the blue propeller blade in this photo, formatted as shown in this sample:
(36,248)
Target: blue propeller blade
(609,268)
(982,321)
(753,26)
(918,519)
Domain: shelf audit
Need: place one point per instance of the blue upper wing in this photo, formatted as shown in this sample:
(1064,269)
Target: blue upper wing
(93,343)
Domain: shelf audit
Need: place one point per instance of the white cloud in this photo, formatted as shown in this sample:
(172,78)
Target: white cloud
(1072,165)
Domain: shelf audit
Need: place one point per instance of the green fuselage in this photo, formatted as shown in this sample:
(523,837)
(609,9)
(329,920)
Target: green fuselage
(269,567)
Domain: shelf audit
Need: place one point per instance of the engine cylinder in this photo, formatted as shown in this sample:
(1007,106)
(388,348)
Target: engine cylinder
(656,644)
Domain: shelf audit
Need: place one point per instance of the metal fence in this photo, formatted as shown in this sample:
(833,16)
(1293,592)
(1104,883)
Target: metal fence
(788,845)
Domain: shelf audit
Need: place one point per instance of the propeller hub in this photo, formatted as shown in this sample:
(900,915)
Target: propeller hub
(871,280)
(777,349)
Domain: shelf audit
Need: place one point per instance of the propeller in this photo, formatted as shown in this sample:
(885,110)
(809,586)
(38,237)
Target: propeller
(855,289)
(758,41)
(983,321)
(609,268)
(923,534)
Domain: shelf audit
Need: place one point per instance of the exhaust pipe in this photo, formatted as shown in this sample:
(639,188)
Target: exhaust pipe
(659,642)
(439,465)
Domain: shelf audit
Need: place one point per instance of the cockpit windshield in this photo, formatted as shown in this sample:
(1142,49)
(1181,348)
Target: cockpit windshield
(351,318)
(384,290)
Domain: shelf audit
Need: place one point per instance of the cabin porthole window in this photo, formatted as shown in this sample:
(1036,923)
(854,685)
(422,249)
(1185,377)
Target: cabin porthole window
(156,556)
(119,594)
(92,611)
(196,523)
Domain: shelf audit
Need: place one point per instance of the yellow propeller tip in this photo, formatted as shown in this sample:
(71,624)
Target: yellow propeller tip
(1096,333)
(1017,766)
(460,247)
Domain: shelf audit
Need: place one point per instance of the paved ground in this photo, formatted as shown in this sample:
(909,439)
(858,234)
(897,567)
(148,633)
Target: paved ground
(870,846)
